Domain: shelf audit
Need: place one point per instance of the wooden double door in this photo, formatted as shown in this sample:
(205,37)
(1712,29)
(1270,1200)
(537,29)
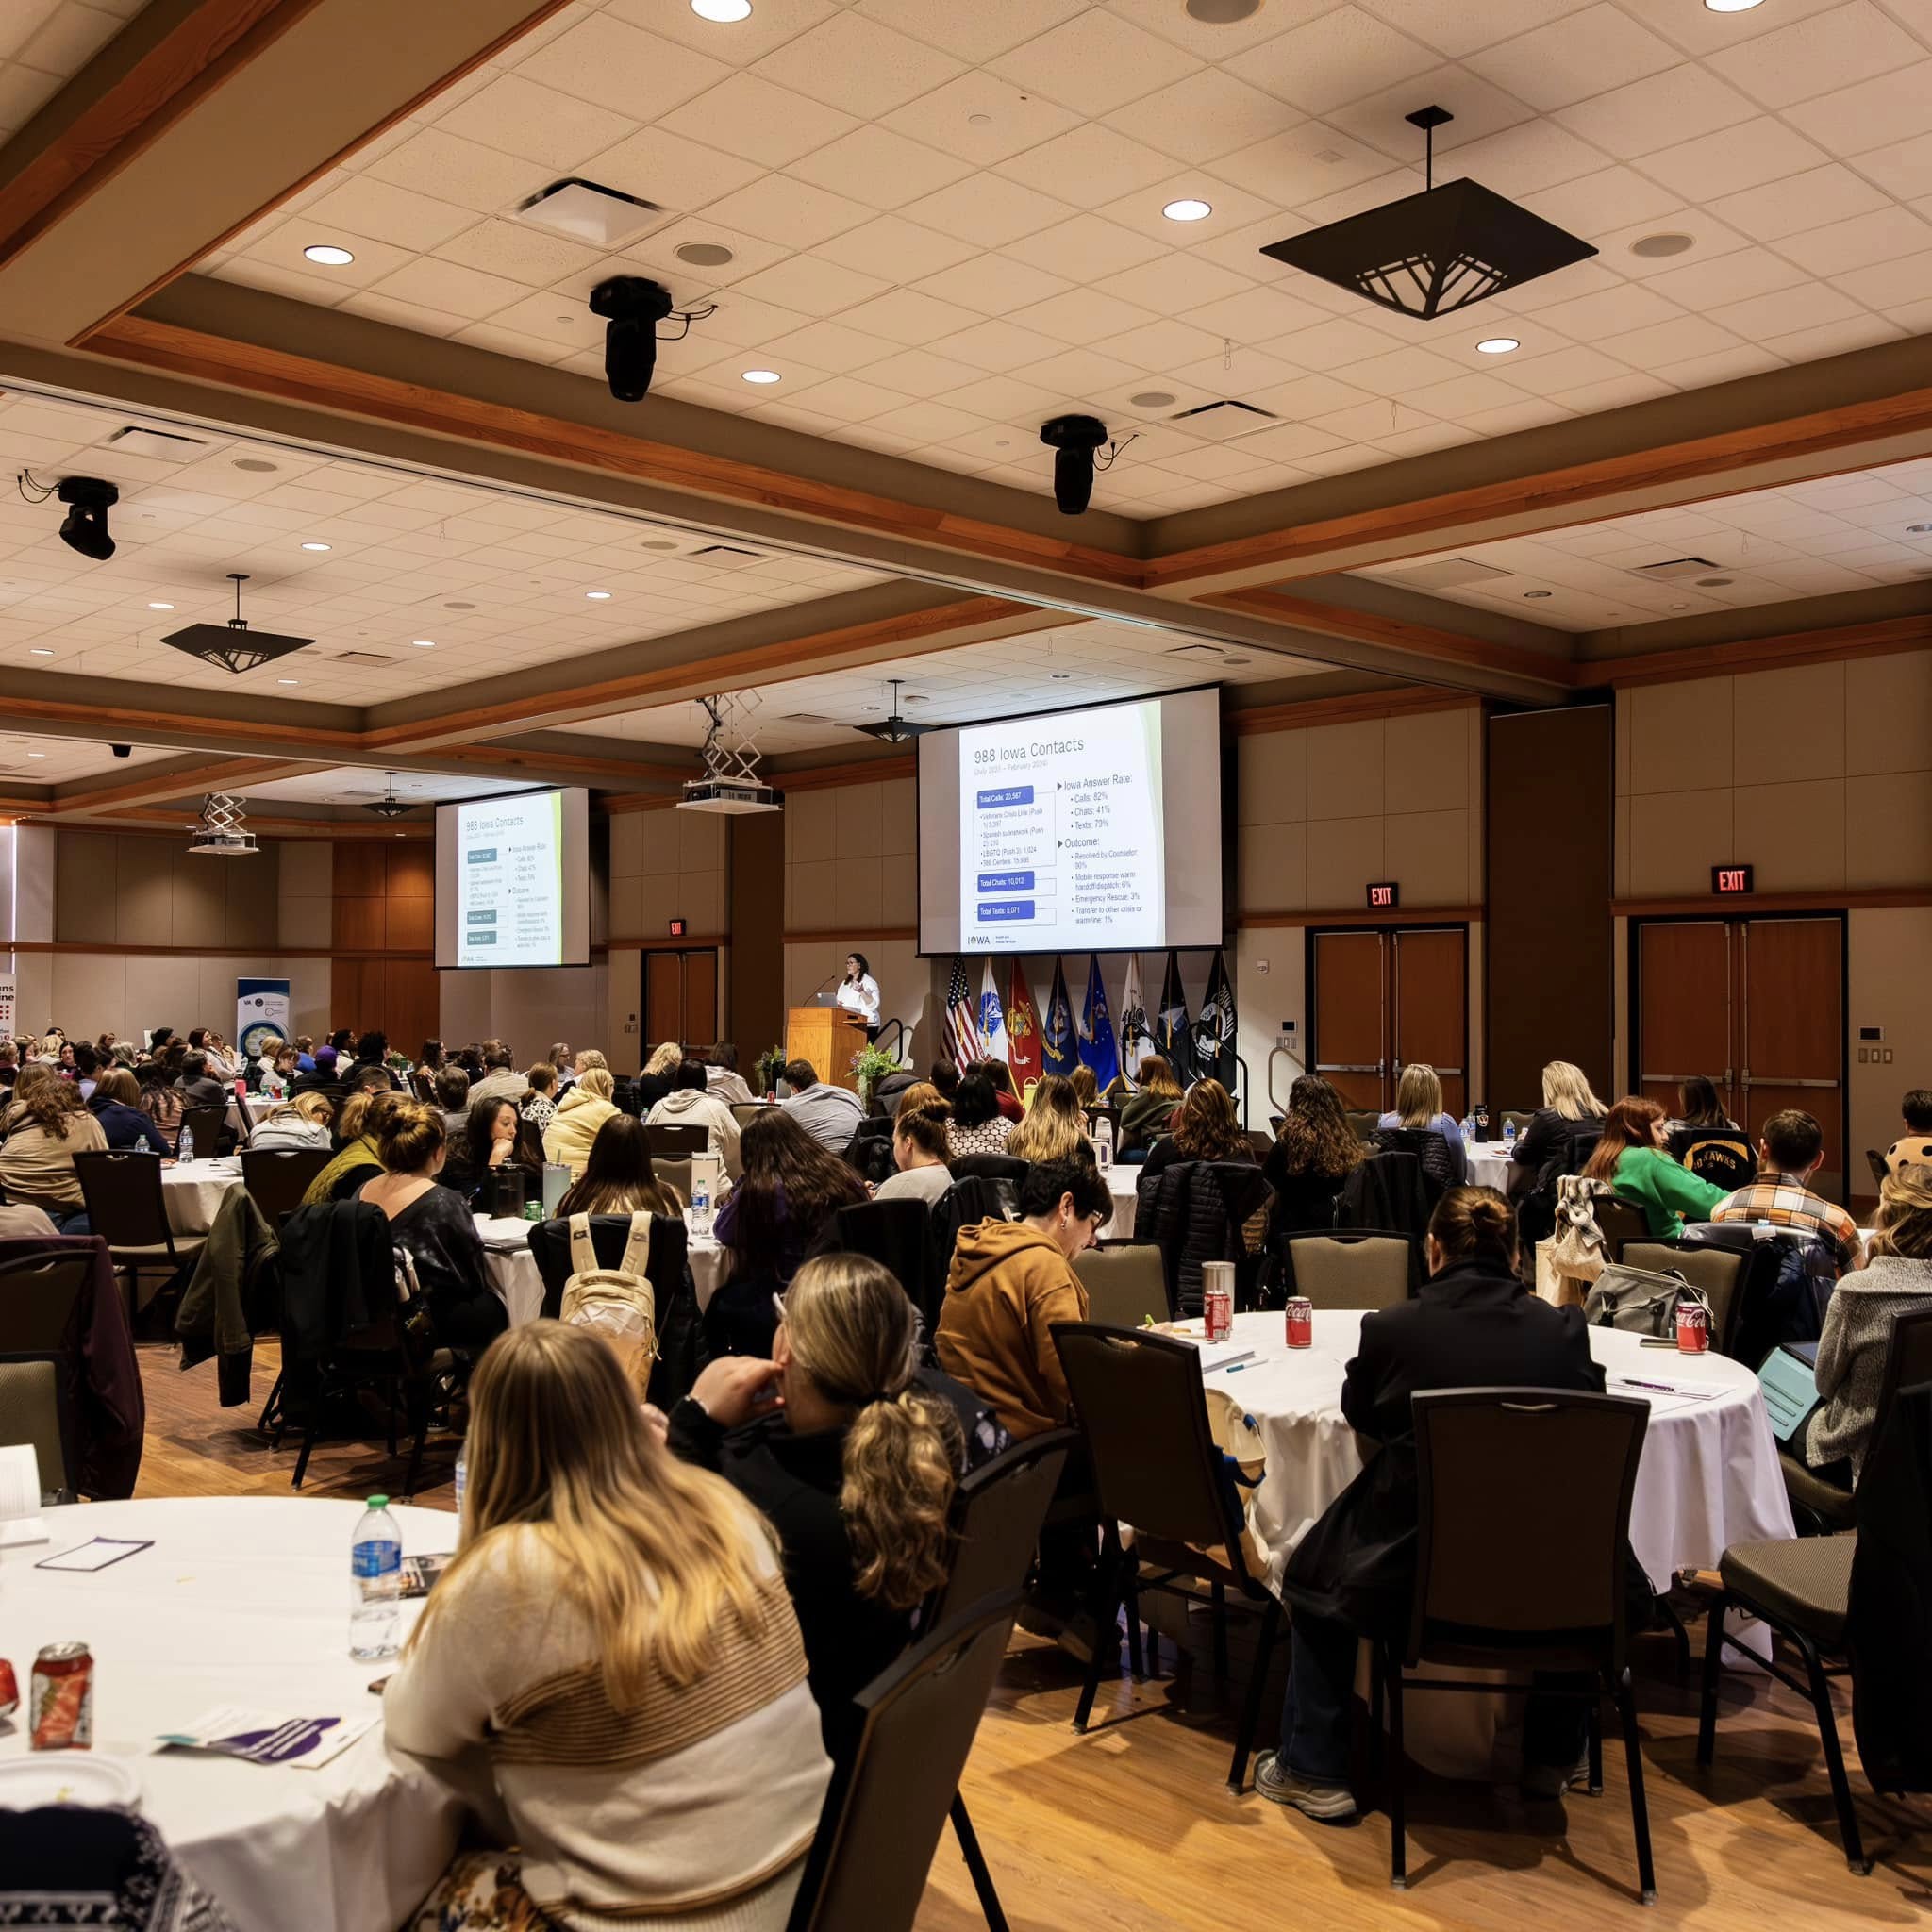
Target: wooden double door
(1755,1005)
(1380,997)
(681,997)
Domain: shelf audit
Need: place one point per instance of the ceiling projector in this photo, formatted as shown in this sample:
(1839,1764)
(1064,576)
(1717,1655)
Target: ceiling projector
(729,795)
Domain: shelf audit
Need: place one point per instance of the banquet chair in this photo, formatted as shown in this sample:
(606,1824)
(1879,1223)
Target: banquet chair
(898,1235)
(33,1411)
(122,1188)
(1568,1464)
(890,1796)
(38,1294)
(996,1521)
(1718,1272)
(677,1140)
(1143,1415)
(1126,1284)
(1350,1270)
(1521,1118)
(278,1177)
(209,1127)
(1620,1221)
(745,1111)
(1362,1123)
(1876,1162)
(674,1174)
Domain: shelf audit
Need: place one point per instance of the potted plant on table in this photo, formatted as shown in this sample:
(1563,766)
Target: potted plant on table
(870,1065)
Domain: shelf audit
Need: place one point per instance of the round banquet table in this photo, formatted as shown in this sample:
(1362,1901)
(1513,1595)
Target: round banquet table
(510,1266)
(192,1191)
(1123,1182)
(242,1600)
(1489,1164)
(260,1106)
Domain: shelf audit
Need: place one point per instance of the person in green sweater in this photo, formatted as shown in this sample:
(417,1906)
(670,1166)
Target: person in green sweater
(1631,1159)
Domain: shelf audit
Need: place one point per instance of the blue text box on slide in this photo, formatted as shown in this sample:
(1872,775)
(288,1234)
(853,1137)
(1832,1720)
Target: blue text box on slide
(992,912)
(1005,794)
(481,855)
(1006,882)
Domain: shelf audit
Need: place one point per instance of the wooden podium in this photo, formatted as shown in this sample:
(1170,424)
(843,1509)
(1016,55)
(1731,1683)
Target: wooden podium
(828,1037)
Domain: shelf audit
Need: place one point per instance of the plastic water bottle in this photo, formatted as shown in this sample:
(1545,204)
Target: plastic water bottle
(375,1577)
(701,1205)
(1510,1132)
(1103,1142)
(462,1474)
(184,1142)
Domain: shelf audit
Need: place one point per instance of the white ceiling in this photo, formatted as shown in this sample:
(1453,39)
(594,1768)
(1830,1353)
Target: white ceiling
(44,44)
(59,760)
(947,218)
(1808,540)
(1079,664)
(495,582)
(360,784)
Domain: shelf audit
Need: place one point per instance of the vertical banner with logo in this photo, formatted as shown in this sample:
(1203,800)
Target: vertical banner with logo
(6,1005)
(261,1011)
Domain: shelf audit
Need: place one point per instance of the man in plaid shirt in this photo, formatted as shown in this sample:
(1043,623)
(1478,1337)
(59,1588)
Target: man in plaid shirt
(1791,1150)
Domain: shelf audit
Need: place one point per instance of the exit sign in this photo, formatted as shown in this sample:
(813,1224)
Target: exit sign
(677,928)
(1730,878)
(1385,897)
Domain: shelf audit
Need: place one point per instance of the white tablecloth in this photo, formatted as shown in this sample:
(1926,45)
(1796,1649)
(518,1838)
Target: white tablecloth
(511,1266)
(242,1600)
(192,1191)
(258,1106)
(1122,1183)
(1489,1164)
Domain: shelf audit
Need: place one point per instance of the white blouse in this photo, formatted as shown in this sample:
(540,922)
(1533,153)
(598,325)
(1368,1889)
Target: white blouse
(861,997)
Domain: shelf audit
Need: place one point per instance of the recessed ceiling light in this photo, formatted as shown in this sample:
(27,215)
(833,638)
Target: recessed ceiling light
(459,607)
(329,255)
(598,596)
(1152,399)
(160,607)
(1713,583)
(1497,345)
(1222,12)
(657,543)
(1188,209)
(258,466)
(979,120)
(424,644)
(705,253)
(762,376)
(724,12)
(1538,593)
(1651,246)
(316,546)
(288,680)
(1732,6)
(1919,529)
(40,651)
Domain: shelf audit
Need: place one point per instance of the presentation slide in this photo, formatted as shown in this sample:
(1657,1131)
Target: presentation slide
(512,880)
(1091,829)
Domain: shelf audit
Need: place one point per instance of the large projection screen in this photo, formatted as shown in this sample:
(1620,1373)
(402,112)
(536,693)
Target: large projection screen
(1093,829)
(514,880)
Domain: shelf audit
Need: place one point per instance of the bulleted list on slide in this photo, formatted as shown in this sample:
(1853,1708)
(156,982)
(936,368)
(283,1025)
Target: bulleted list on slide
(510,893)
(1061,830)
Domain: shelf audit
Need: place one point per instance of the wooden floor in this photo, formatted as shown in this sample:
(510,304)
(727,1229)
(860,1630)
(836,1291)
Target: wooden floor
(1132,1827)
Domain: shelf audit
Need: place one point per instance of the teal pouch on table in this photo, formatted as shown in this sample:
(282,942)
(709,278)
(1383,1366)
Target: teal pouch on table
(1788,1381)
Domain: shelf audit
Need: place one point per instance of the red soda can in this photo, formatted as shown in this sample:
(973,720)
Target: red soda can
(1693,1327)
(9,1689)
(1217,1299)
(1301,1322)
(63,1698)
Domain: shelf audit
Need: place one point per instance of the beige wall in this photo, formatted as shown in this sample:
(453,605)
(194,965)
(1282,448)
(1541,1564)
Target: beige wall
(129,889)
(849,859)
(667,865)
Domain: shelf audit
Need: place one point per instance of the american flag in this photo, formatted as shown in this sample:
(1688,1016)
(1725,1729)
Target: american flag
(962,1018)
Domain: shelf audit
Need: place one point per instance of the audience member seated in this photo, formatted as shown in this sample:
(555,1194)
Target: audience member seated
(602,1589)
(1711,1144)
(432,1060)
(829,1114)
(580,1114)
(1053,1128)
(1086,1087)
(10,1063)
(115,1105)
(224,1063)
(303,1122)
(564,1061)
(48,1126)
(539,1104)
(1632,1159)
(945,1076)
(1314,1152)
(999,1077)
(1149,1109)
(87,1062)
(1009,1282)
(791,1187)
(1917,1109)
(493,1137)
(1474,1324)
(321,1078)
(978,1125)
(359,1122)
(284,1068)
(1895,1280)
(499,1081)
(657,1079)
(1206,1127)
(727,1082)
(195,1086)
(919,1152)
(372,1058)
(692,1103)
(620,1176)
(849,1462)
(1791,1149)
(434,1227)
(159,1101)
(1571,1114)
(453,1096)
(1419,1109)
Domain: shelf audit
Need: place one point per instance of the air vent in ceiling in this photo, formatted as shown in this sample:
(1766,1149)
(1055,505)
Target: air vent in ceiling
(1196,652)
(1678,570)
(1222,421)
(359,658)
(725,554)
(588,211)
(1446,574)
(805,718)
(163,446)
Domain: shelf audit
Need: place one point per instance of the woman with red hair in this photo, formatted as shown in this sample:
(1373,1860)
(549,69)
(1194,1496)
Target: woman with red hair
(1631,1158)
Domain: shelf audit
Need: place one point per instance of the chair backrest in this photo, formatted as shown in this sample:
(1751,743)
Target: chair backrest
(745,1112)
(1126,1284)
(890,1797)
(1363,1124)
(38,1297)
(1876,1162)
(206,1124)
(997,1513)
(897,1235)
(687,1139)
(674,1174)
(1907,1361)
(1619,1221)
(122,1188)
(278,1177)
(1138,1398)
(1567,1462)
(33,1409)
(1349,1270)
(1718,1272)
(1521,1118)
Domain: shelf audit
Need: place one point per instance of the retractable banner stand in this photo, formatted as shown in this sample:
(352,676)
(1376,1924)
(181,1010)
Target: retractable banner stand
(261,1013)
(6,1005)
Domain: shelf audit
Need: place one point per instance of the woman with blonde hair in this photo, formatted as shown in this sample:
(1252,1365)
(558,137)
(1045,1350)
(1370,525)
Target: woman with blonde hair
(660,1074)
(359,1125)
(1206,1127)
(836,1443)
(1086,1085)
(580,1114)
(613,1650)
(1419,1109)
(303,1121)
(1055,1128)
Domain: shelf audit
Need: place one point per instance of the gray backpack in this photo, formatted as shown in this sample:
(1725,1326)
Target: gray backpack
(1640,1301)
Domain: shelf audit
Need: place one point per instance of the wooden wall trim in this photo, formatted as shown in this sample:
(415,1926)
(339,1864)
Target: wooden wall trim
(877,934)
(1830,645)
(1744,905)
(266,371)
(691,942)
(1357,915)
(1350,708)
(121,950)
(861,772)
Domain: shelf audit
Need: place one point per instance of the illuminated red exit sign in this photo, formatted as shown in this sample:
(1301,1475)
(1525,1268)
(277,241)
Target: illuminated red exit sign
(1730,878)
(677,929)
(1385,897)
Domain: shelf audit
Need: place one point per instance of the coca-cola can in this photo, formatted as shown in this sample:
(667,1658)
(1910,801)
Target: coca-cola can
(62,1702)
(1301,1322)
(9,1689)
(1217,1299)
(1693,1327)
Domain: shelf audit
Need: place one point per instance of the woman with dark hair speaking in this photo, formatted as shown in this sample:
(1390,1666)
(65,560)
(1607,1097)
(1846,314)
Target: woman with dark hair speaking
(858,992)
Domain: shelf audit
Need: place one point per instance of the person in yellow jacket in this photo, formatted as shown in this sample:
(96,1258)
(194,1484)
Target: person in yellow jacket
(580,1114)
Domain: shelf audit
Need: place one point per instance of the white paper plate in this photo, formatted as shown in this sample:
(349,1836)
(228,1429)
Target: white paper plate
(68,1777)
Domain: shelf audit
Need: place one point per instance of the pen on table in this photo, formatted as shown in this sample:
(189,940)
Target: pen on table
(1631,1382)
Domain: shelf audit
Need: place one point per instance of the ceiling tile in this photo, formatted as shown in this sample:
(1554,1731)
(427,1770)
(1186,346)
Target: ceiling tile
(982,119)
(282,247)
(524,254)
(1810,305)
(1088,166)
(619,67)
(747,323)
(1093,63)
(1889,284)
(391,214)
(1816,56)
(1209,114)
(1224,41)
(1520,161)
(907,318)
(1234,211)
(880,168)
(896,250)
(991,285)
(1904,168)
(1833,338)
(537,122)
(1160,346)
(1677,340)
(747,114)
(661,167)
(813,286)
(987,211)
(1798,202)
(770,24)
(1456,27)
(1728,365)
(1733,277)
(1701,32)
(1302,163)
(1577,56)
(1172,283)
(1667,107)
(1086,248)
(1381,118)
(921,372)
(451,287)
(974,33)
(1338,58)
(995,346)
(1889,107)
(781,210)
(1743,157)
(1610,311)
(749,253)
(1375,421)
(1398,371)
(1081,315)
(1005,399)
(1563,370)
(435,162)
(1610,198)
(853,63)
(1882,236)
(851,399)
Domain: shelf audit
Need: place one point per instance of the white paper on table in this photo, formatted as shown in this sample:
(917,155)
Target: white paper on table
(1665,1397)
(1224,1356)
(267,1737)
(20,1522)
